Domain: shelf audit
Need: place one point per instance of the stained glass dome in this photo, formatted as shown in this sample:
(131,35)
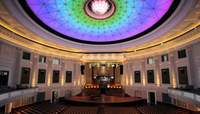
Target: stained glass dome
(131,17)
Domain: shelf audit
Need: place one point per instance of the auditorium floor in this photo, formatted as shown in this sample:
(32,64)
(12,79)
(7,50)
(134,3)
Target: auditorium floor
(103,99)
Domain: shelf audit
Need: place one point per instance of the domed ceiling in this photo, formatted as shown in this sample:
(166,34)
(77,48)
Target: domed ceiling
(75,19)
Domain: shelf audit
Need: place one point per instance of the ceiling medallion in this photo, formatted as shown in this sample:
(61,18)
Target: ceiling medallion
(99,9)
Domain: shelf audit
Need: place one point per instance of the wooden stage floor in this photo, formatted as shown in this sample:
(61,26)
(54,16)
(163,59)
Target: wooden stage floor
(103,99)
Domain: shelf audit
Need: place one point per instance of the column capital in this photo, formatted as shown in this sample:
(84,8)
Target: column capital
(1,43)
(156,57)
(189,48)
(171,53)
(36,55)
(19,50)
(50,58)
(143,59)
(63,60)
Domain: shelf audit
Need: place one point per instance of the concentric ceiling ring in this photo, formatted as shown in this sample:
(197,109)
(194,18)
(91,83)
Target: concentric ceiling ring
(67,17)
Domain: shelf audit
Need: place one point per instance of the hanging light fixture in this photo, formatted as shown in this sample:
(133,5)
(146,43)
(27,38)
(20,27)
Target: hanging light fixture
(100,7)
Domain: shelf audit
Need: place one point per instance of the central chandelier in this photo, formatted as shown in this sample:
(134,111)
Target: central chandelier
(100,7)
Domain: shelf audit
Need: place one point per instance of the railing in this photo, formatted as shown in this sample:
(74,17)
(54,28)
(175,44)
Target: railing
(12,96)
(185,96)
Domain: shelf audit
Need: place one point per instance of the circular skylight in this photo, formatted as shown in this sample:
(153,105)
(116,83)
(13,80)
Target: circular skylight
(68,17)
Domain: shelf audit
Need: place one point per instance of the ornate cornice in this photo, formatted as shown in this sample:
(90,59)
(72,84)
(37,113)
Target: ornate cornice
(103,57)
(14,38)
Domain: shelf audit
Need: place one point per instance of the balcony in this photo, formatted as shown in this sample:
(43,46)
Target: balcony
(8,97)
(190,97)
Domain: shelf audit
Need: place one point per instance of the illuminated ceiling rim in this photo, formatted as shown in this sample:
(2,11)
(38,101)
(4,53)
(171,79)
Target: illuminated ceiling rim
(119,41)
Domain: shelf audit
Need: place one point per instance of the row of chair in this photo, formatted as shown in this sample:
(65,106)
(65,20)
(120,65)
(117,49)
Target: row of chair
(162,109)
(47,108)
(80,110)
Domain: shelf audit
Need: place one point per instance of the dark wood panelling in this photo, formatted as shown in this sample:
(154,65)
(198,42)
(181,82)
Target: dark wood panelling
(41,75)
(25,75)
(56,76)
(165,76)
(4,77)
(137,77)
(150,76)
(68,76)
(182,74)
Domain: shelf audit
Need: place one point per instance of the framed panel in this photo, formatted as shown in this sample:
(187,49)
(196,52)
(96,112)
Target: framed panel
(182,54)
(150,76)
(165,58)
(25,75)
(4,77)
(26,56)
(183,76)
(165,76)
(41,75)
(137,77)
(42,59)
(68,76)
(56,76)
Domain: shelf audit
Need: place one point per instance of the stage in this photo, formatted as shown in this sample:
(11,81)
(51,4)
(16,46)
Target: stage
(103,99)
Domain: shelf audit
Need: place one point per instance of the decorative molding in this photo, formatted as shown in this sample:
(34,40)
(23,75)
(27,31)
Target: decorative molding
(10,36)
(19,50)
(156,57)
(171,53)
(36,55)
(189,48)
(14,38)
(50,58)
(103,57)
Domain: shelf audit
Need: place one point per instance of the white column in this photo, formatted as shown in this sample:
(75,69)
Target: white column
(157,71)
(128,72)
(191,66)
(74,73)
(131,72)
(17,66)
(143,76)
(49,70)
(77,72)
(63,72)
(173,69)
(34,69)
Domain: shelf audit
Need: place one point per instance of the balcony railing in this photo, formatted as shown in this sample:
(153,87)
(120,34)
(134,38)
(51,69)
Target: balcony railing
(8,97)
(186,96)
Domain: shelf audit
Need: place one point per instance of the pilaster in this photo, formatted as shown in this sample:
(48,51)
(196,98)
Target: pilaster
(49,70)
(143,76)
(173,69)
(34,69)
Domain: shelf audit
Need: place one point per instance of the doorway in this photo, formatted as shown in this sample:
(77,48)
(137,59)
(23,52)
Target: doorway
(103,91)
(4,77)
(152,97)
(54,96)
